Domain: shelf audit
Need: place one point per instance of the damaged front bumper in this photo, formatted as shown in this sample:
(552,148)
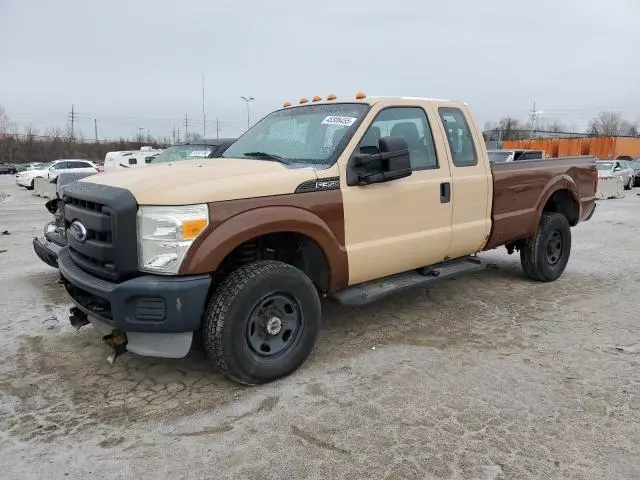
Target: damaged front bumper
(47,251)
(157,314)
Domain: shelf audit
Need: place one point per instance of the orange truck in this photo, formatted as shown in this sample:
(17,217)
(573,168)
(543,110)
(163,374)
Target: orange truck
(605,148)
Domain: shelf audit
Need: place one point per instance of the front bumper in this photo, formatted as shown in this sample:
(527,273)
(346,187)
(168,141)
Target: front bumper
(47,251)
(148,304)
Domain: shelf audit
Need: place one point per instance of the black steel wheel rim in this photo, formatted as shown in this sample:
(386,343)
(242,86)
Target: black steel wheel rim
(555,246)
(274,325)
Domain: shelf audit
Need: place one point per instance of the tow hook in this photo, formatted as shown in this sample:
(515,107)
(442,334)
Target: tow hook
(118,341)
(78,318)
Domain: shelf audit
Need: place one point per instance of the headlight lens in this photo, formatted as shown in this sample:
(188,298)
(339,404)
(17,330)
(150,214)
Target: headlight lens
(165,235)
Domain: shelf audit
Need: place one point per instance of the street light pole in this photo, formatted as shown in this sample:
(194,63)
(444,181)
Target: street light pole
(247,100)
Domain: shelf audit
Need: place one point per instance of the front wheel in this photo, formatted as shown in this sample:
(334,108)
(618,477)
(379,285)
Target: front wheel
(262,322)
(545,255)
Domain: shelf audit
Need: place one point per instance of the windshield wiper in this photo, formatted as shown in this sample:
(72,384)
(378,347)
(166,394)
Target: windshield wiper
(265,156)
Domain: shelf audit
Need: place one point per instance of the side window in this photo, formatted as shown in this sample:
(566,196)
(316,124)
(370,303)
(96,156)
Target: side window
(78,165)
(531,156)
(133,161)
(463,151)
(60,165)
(410,123)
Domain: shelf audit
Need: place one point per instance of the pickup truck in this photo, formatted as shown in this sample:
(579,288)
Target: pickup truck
(354,199)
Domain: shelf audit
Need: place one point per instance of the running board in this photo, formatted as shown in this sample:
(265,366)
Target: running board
(374,290)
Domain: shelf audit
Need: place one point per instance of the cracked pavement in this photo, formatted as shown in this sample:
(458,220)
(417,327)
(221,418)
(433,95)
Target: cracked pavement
(488,376)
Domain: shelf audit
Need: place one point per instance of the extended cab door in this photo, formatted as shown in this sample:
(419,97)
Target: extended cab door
(401,224)
(472,182)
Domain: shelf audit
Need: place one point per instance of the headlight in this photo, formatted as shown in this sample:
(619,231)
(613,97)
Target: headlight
(165,235)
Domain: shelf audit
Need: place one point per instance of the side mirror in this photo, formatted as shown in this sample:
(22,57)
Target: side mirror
(393,162)
(617,168)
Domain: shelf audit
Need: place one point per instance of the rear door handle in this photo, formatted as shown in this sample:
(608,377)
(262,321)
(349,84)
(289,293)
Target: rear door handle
(445,192)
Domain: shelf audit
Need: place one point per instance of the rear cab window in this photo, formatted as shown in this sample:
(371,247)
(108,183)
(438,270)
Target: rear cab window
(459,137)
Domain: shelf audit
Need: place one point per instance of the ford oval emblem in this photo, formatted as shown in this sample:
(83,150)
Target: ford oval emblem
(78,231)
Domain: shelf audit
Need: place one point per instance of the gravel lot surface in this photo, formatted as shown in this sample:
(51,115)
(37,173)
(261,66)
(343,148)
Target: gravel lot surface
(489,376)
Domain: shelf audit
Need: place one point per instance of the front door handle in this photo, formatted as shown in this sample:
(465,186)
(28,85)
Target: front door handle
(445,192)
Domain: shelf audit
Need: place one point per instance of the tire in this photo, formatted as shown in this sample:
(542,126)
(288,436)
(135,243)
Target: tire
(629,185)
(545,256)
(247,319)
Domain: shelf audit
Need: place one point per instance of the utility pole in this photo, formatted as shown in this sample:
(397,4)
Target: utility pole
(95,128)
(174,134)
(186,126)
(247,100)
(72,117)
(140,130)
(534,118)
(204,116)
(217,128)
(178,134)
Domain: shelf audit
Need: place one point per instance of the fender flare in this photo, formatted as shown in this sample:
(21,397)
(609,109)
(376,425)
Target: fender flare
(218,241)
(560,182)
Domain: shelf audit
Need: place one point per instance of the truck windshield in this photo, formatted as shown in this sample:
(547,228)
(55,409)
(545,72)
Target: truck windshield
(183,152)
(499,157)
(311,134)
(604,165)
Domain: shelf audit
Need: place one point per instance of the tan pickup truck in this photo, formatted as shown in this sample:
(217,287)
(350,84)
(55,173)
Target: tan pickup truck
(352,199)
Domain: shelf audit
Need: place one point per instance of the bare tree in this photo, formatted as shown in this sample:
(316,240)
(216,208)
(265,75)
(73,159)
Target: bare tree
(611,124)
(193,137)
(557,127)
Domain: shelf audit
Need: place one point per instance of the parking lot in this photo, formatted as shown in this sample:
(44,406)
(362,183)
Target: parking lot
(488,376)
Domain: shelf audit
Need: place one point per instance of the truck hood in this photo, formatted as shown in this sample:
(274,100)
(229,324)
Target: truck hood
(206,180)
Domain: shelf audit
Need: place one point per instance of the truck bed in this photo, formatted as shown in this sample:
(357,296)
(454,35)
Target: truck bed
(522,189)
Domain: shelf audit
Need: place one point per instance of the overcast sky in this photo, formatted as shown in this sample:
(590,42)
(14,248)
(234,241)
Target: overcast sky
(138,63)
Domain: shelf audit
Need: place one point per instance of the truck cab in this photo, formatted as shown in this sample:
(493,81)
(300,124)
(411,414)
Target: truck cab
(354,200)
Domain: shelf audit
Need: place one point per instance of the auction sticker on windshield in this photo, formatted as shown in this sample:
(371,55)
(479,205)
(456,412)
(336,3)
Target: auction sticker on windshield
(200,153)
(336,120)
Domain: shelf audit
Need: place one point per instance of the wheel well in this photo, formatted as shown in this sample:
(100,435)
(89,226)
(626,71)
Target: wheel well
(292,248)
(562,202)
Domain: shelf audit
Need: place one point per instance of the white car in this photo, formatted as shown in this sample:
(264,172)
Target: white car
(53,169)
(617,168)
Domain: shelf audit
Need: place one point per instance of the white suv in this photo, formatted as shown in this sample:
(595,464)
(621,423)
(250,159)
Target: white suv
(53,169)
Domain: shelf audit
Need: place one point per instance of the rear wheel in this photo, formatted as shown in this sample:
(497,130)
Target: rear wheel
(262,322)
(33,184)
(629,184)
(544,256)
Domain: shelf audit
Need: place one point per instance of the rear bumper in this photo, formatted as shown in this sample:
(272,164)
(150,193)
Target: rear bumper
(47,251)
(148,304)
